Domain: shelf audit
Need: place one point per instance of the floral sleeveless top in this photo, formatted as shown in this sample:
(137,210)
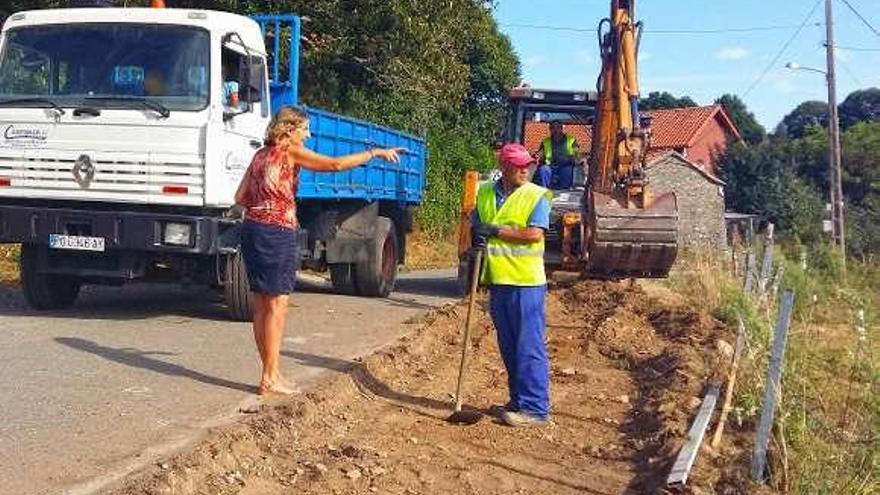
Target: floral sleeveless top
(273,182)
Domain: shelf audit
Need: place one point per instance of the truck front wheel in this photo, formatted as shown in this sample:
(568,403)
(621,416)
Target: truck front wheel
(342,277)
(45,291)
(237,290)
(376,276)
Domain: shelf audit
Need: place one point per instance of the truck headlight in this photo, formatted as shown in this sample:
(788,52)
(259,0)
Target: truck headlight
(177,234)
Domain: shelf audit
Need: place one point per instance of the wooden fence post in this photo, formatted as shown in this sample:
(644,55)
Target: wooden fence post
(767,264)
(750,274)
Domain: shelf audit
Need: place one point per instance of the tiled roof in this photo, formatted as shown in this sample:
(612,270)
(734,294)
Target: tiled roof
(536,132)
(676,128)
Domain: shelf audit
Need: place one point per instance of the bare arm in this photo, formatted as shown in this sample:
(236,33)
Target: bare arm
(515,235)
(323,163)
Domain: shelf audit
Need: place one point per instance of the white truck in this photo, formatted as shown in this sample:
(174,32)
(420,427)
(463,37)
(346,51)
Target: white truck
(119,157)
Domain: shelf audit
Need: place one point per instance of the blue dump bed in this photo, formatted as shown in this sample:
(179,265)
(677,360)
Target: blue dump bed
(336,135)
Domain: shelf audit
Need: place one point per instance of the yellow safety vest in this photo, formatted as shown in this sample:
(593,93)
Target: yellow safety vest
(548,148)
(508,263)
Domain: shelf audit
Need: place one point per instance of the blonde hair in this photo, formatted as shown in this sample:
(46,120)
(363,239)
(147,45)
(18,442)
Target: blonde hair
(287,119)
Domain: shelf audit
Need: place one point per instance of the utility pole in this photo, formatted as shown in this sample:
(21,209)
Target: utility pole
(835,176)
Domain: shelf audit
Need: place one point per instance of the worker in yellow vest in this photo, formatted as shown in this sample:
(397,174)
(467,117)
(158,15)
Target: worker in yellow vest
(559,153)
(509,223)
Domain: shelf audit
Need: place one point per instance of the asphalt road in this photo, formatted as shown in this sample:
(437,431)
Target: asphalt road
(131,374)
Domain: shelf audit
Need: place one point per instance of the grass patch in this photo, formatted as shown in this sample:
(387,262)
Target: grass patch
(825,436)
(425,251)
(9,254)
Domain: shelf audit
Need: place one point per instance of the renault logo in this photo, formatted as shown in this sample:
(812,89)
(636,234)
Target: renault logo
(83,171)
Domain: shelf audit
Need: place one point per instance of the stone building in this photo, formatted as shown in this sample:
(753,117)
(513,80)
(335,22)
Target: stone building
(700,197)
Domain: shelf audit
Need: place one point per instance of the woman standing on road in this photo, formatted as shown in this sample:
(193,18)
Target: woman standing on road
(268,234)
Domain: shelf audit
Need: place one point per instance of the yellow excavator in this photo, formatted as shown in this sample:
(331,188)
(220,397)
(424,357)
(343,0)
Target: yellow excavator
(609,224)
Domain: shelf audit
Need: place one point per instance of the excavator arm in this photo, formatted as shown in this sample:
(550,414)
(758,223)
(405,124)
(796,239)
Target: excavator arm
(629,232)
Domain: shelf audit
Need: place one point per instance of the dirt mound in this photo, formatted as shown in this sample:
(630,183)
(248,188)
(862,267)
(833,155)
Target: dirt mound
(627,372)
(669,352)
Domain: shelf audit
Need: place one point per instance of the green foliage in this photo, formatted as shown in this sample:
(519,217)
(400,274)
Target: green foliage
(451,153)
(744,120)
(861,187)
(860,146)
(860,106)
(806,115)
(828,413)
(657,100)
(10,7)
(787,180)
(763,180)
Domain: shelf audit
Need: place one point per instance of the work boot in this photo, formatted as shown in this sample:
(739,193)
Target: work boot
(498,409)
(521,419)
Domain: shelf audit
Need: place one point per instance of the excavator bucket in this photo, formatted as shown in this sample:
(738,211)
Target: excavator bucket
(632,242)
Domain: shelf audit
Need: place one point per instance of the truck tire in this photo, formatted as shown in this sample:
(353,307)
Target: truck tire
(376,277)
(237,291)
(342,277)
(44,291)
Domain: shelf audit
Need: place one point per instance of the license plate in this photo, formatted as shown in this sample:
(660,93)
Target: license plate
(77,242)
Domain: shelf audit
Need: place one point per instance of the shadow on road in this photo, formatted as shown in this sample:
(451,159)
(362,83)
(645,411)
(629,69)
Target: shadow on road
(439,284)
(137,358)
(435,283)
(131,302)
(364,379)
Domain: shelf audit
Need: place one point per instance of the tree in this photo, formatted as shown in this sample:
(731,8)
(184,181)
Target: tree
(762,180)
(744,120)
(861,187)
(787,181)
(860,106)
(657,100)
(807,114)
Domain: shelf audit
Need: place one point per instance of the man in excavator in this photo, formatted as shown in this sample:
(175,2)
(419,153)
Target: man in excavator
(509,222)
(559,152)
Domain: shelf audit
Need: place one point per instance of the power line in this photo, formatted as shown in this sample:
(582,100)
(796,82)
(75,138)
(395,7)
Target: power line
(783,49)
(861,17)
(849,72)
(857,48)
(752,29)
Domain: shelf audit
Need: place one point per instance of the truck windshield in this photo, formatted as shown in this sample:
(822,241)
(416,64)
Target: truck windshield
(105,65)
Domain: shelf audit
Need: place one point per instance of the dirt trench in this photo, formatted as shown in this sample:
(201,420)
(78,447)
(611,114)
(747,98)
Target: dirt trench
(627,374)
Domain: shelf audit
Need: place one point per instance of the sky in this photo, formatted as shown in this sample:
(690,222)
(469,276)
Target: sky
(557,44)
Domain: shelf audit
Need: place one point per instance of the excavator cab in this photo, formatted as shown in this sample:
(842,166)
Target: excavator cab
(531,112)
(612,224)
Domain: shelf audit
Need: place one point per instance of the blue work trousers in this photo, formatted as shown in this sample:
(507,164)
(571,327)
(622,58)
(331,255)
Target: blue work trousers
(519,315)
(564,177)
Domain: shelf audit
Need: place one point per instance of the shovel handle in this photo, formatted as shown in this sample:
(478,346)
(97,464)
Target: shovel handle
(465,346)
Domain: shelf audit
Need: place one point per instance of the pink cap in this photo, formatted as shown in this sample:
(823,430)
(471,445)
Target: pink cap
(516,155)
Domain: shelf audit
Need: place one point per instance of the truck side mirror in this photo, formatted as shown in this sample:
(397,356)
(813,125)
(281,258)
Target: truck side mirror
(251,79)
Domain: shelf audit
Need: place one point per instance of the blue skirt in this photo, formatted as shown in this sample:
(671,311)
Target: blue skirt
(271,257)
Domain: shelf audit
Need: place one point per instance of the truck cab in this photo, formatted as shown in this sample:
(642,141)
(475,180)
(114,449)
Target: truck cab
(134,101)
(120,153)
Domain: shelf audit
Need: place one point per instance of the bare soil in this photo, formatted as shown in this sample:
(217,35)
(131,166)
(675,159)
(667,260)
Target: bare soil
(628,374)
(426,251)
(9,263)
